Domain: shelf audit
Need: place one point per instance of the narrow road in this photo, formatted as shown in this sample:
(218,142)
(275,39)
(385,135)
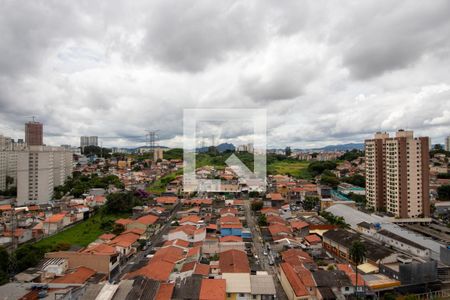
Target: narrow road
(259,250)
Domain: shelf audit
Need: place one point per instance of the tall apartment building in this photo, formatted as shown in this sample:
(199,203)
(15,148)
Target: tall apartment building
(397,174)
(88,141)
(34,133)
(8,161)
(39,170)
(447,143)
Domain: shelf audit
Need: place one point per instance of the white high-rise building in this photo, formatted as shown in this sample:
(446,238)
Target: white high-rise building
(447,143)
(8,161)
(88,141)
(39,170)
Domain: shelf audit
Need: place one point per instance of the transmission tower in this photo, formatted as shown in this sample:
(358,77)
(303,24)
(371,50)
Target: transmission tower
(152,138)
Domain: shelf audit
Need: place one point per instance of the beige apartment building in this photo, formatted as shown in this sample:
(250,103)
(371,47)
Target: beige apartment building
(39,170)
(447,143)
(8,161)
(397,174)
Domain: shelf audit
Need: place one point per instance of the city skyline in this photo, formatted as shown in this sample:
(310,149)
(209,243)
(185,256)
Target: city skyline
(328,73)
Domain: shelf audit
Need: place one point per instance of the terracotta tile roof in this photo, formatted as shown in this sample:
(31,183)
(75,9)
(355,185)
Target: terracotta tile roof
(201,269)
(125,240)
(192,219)
(296,284)
(156,269)
(107,236)
(266,210)
(193,251)
(275,197)
(296,257)
(276,219)
(233,261)
(305,275)
(147,220)
(170,254)
(198,202)
(167,200)
(212,226)
(276,229)
(79,276)
(33,208)
(137,231)
(238,202)
(123,221)
(228,210)
(177,242)
(351,274)
(5,207)
(229,220)
(299,224)
(231,226)
(213,289)
(55,218)
(230,238)
(188,267)
(101,249)
(165,291)
(188,229)
(313,239)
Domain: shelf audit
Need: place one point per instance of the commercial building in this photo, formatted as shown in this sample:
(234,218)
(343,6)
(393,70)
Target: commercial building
(39,170)
(88,141)
(397,174)
(34,133)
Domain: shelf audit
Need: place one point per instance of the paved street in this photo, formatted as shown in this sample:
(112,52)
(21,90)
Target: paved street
(259,250)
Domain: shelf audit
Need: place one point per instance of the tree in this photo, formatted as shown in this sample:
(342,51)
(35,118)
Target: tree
(357,255)
(121,202)
(288,151)
(444,192)
(262,220)
(4,265)
(310,202)
(329,179)
(318,167)
(257,205)
(356,179)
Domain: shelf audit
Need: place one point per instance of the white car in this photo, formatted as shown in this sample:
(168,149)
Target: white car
(265,253)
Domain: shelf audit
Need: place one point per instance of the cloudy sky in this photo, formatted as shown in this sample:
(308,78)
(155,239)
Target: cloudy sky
(326,71)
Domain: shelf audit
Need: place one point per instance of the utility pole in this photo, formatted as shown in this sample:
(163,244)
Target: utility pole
(12,267)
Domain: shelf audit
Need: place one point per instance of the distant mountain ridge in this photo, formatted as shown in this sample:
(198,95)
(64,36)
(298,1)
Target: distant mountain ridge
(342,147)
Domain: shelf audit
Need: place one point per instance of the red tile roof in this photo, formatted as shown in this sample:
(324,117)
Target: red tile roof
(276,219)
(299,224)
(125,240)
(198,202)
(79,276)
(167,200)
(123,221)
(177,242)
(201,269)
(233,261)
(296,284)
(188,267)
(165,291)
(192,219)
(275,197)
(5,207)
(229,210)
(188,229)
(193,251)
(229,220)
(313,239)
(101,249)
(276,229)
(231,226)
(351,274)
(156,269)
(107,236)
(266,210)
(137,231)
(296,257)
(55,218)
(230,238)
(147,220)
(213,289)
(170,254)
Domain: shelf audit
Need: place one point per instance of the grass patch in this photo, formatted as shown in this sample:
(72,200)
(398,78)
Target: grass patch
(297,169)
(81,234)
(159,186)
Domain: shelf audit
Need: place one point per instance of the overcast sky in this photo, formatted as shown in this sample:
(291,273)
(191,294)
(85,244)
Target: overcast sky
(327,72)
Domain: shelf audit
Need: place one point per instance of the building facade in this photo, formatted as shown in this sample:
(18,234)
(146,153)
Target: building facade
(397,174)
(34,133)
(88,141)
(39,170)
(8,162)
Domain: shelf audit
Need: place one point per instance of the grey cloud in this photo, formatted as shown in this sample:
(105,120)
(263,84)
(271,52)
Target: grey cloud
(394,38)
